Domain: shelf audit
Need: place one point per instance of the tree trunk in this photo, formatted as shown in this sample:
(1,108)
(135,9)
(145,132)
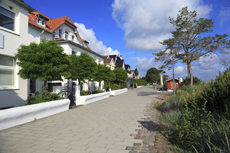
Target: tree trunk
(109,84)
(99,85)
(45,87)
(190,73)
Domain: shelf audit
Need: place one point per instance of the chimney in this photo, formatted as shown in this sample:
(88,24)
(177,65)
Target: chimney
(121,57)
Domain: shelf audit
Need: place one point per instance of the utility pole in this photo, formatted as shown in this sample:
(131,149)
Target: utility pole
(173,78)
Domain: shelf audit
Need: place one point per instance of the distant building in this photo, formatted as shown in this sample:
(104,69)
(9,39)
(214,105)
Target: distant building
(170,85)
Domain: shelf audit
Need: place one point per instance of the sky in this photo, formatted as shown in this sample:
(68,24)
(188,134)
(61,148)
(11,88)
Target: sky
(134,28)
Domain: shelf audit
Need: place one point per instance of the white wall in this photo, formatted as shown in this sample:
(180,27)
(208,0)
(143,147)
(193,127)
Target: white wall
(17,95)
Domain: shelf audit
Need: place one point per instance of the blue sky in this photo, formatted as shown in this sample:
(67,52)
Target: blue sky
(133,28)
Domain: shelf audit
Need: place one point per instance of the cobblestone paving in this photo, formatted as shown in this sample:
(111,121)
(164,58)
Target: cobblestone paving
(149,125)
(105,126)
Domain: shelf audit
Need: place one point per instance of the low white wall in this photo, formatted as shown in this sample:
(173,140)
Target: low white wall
(83,100)
(139,86)
(117,92)
(20,115)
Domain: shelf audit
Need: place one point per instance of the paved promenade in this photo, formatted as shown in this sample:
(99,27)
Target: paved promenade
(101,127)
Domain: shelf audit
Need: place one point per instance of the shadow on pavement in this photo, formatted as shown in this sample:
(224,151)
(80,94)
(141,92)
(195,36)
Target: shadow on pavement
(149,125)
(143,93)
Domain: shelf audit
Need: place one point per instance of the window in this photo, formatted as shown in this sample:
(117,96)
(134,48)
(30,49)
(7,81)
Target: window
(72,38)
(60,33)
(73,52)
(43,22)
(38,20)
(7,68)
(66,35)
(6,19)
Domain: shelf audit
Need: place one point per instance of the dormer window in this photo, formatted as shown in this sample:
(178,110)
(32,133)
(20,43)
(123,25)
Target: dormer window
(66,35)
(41,21)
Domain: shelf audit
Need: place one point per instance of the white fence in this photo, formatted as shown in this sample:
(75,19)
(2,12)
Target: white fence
(83,100)
(117,92)
(20,115)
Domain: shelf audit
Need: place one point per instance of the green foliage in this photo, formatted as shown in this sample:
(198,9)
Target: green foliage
(85,93)
(97,91)
(189,43)
(82,67)
(115,86)
(139,82)
(121,74)
(103,73)
(43,61)
(194,128)
(153,75)
(187,81)
(217,94)
(136,73)
(40,98)
(123,85)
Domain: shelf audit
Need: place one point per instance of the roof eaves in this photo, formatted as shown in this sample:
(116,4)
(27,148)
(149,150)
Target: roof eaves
(20,3)
(40,27)
(69,41)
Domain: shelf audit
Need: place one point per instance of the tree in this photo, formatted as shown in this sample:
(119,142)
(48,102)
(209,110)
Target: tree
(136,72)
(42,61)
(188,44)
(153,75)
(82,67)
(103,73)
(121,75)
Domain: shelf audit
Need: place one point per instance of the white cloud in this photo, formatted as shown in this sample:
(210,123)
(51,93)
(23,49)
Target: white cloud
(143,64)
(224,15)
(146,23)
(94,44)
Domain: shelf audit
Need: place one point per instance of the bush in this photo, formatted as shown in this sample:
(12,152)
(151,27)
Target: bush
(40,98)
(217,94)
(115,86)
(97,91)
(84,93)
(123,85)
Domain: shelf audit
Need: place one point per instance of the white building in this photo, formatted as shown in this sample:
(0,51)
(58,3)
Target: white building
(65,33)
(13,33)
(21,24)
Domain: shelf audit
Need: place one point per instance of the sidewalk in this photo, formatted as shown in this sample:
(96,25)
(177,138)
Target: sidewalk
(101,127)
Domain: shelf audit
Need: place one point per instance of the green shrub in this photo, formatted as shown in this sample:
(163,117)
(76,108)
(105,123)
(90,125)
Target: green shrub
(123,85)
(40,98)
(115,86)
(84,93)
(97,91)
(217,94)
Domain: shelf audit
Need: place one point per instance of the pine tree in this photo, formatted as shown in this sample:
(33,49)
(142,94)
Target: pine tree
(188,44)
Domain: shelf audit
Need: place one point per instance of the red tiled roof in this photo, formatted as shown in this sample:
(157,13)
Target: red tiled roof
(132,70)
(51,24)
(107,60)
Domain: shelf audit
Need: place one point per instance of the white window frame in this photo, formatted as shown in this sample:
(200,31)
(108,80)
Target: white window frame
(15,69)
(60,32)
(16,20)
(66,35)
